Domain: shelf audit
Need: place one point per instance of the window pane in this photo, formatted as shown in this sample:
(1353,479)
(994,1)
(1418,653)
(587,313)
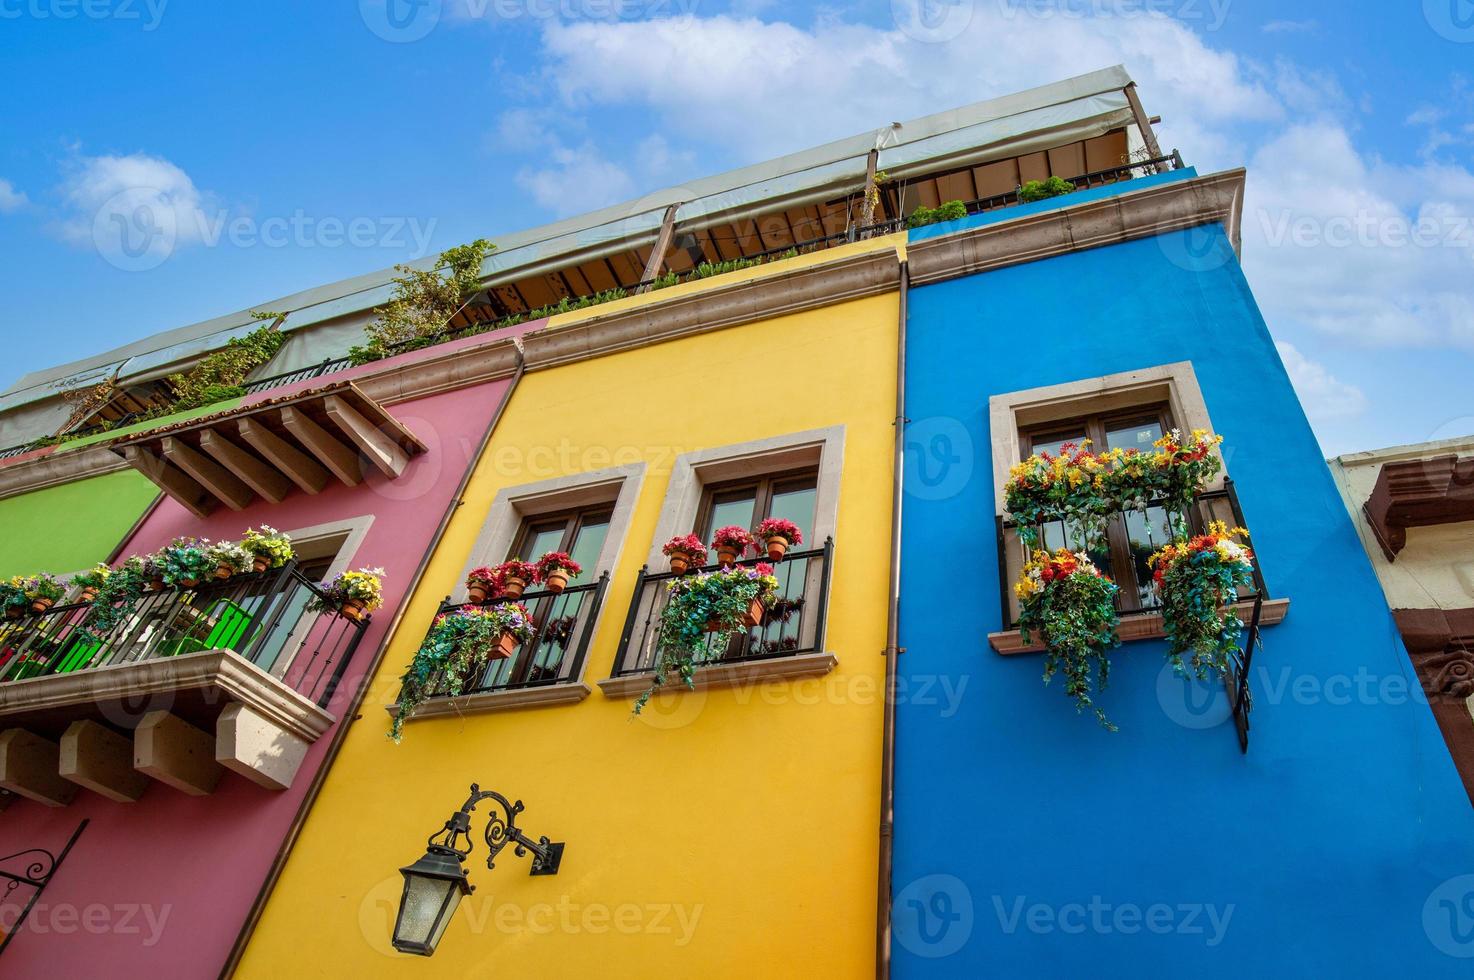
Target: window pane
(725,512)
(1145,533)
(1139,436)
(797,506)
(1053,444)
(542,541)
(588,543)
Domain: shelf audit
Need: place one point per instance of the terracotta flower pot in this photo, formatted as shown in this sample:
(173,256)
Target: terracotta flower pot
(41,605)
(726,555)
(224,572)
(13,612)
(189,583)
(259,564)
(505,647)
(777,547)
(352,609)
(556,580)
(156,583)
(477,590)
(679,562)
(751,618)
(87,594)
(513,587)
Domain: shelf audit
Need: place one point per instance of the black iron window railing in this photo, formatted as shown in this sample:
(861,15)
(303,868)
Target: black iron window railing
(554,655)
(794,624)
(328,366)
(262,617)
(1135,535)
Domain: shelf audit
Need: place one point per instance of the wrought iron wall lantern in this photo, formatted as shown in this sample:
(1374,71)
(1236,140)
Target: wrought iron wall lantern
(435,884)
(36,867)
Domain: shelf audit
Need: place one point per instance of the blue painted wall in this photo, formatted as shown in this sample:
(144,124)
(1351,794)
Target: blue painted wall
(1029,841)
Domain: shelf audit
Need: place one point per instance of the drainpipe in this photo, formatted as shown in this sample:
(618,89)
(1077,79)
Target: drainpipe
(892,650)
(351,713)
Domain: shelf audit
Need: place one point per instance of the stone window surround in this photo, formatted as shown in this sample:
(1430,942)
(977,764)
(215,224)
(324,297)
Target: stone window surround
(618,485)
(690,475)
(1175,383)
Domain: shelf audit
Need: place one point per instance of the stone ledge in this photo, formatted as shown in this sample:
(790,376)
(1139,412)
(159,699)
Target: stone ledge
(221,670)
(728,675)
(1140,626)
(488,701)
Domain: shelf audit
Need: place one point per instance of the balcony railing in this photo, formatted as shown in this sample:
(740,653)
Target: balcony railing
(328,366)
(554,655)
(794,624)
(262,617)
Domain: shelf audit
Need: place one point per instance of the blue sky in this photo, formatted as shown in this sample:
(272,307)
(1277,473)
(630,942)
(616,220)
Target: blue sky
(301,143)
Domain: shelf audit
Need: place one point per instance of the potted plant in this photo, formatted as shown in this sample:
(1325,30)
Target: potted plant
(184,561)
(269,548)
(42,591)
(151,571)
(1199,580)
(728,601)
(117,597)
(555,568)
(779,535)
(459,641)
(351,594)
(13,597)
(1065,599)
(685,551)
(511,578)
(1042,190)
(230,558)
(480,582)
(1069,486)
(90,582)
(730,543)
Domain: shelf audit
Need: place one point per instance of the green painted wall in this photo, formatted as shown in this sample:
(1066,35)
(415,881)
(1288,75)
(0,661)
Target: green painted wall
(67,528)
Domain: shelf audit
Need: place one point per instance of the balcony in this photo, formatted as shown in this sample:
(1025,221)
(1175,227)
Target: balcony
(184,684)
(789,642)
(1137,603)
(547,669)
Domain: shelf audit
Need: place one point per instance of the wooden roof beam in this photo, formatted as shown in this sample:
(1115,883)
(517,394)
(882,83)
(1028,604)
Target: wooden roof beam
(382,450)
(298,467)
(338,458)
(208,473)
(247,468)
(170,479)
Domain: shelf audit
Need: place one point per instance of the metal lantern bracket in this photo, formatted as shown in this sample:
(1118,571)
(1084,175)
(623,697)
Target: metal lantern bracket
(501,830)
(39,867)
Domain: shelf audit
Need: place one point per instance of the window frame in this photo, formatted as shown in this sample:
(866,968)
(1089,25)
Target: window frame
(765,486)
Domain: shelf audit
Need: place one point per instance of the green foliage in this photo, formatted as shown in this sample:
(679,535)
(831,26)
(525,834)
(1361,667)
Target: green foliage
(1075,616)
(13,595)
(116,597)
(1199,580)
(93,578)
(697,603)
(272,315)
(220,376)
(1040,190)
(423,301)
(455,651)
(183,561)
(269,543)
(948,211)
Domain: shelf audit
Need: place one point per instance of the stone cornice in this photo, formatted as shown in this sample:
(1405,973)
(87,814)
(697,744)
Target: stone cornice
(210,669)
(727,675)
(1131,215)
(56,468)
(1419,493)
(806,288)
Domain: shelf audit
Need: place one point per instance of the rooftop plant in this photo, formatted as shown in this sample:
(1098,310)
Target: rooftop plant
(1040,190)
(424,300)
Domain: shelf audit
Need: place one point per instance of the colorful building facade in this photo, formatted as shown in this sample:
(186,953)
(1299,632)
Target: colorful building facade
(1319,827)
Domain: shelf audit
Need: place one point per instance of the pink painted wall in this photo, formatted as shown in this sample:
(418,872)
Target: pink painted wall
(161,887)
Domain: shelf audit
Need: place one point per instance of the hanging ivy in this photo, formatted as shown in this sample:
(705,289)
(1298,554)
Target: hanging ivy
(1199,580)
(1071,605)
(455,651)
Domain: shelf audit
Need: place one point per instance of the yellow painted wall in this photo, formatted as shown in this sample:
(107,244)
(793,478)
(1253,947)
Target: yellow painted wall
(725,833)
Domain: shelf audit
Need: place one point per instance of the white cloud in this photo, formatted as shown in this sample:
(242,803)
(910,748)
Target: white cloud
(580,179)
(1373,253)
(1324,397)
(764,88)
(135,209)
(10,198)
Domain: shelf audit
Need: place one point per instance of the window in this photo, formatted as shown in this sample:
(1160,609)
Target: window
(791,496)
(1133,536)
(581,533)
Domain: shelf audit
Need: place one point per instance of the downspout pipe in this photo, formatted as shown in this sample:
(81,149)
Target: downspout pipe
(347,718)
(892,652)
